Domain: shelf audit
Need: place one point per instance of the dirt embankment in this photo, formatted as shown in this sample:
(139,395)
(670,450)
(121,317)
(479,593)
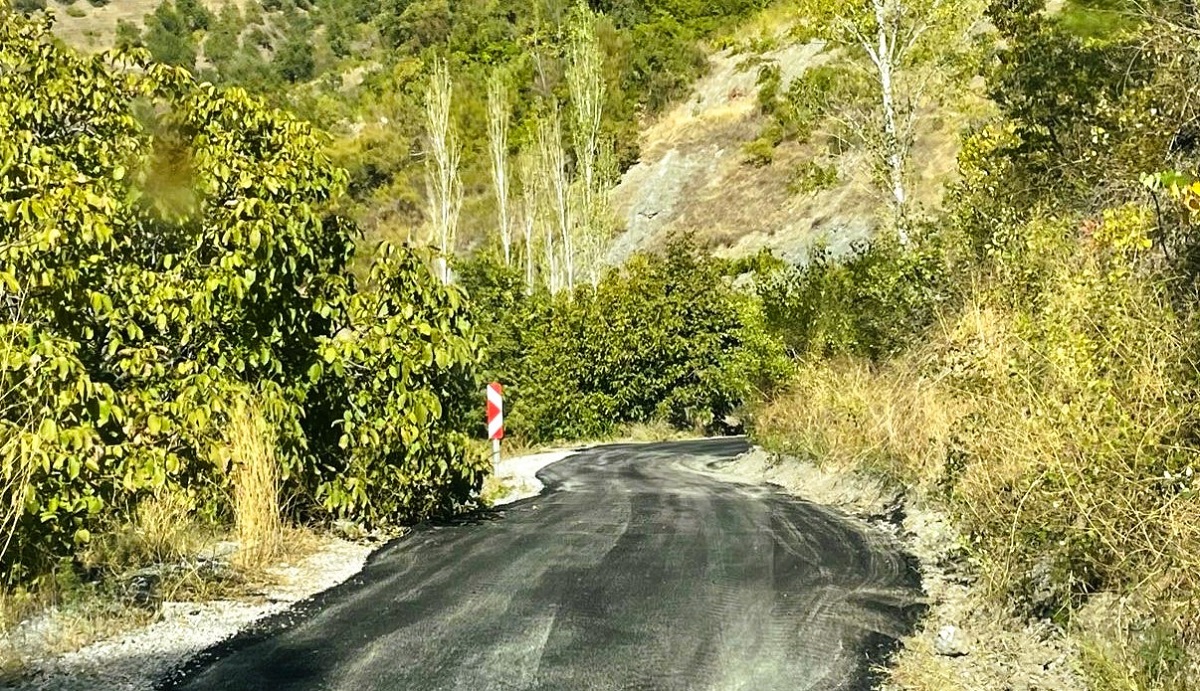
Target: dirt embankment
(694,176)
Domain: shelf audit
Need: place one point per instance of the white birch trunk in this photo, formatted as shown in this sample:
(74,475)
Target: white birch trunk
(530,193)
(442,165)
(554,176)
(499,115)
(585,81)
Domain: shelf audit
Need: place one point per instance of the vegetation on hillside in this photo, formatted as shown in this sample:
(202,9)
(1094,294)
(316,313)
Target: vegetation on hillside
(361,69)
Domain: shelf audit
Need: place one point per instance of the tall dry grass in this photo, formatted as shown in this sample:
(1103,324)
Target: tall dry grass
(17,454)
(894,420)
(162,529)
(18,443)
(255,479)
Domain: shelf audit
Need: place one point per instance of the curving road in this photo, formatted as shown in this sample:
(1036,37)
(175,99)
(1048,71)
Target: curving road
(635,569)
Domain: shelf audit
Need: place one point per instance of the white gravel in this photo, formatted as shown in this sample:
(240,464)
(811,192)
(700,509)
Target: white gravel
(136,660)
(519,475)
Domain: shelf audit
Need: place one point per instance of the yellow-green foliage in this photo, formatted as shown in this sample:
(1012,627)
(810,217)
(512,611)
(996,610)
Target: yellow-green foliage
(165,246)
(1057,423)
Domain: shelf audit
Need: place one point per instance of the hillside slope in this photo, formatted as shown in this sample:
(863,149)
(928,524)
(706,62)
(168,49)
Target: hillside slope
(693,176)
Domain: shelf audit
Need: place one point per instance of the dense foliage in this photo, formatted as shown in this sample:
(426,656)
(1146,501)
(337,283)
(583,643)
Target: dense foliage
(166,248)
(666,338)
(873,303)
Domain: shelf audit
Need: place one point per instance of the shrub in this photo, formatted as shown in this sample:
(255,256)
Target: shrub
(872,303)
(165,246)
(398,392)
(128,35)
(759,153)
(294,59)
(811,176)
(665,338)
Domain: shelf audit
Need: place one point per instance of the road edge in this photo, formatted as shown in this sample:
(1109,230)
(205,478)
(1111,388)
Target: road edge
(966,639)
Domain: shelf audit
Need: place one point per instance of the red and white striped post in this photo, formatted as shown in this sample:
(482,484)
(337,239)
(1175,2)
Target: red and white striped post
(495,418)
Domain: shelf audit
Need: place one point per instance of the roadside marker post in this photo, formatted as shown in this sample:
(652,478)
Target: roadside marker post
(495,419)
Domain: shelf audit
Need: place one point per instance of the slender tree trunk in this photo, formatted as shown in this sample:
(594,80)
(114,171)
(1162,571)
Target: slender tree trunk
(530,193)
(885,57)
(498,122)
(585,80)
(885,51)
(554,177)
(442,165)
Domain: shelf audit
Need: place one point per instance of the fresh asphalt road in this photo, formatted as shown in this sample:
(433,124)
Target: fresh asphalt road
(635,569)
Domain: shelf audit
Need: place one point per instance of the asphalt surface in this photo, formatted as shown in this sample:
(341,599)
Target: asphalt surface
(635,569)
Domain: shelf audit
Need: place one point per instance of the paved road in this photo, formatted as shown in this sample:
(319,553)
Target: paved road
(635,569)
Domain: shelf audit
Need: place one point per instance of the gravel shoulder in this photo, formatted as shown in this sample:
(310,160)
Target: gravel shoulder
(137,659)
(518,475)
(966,640)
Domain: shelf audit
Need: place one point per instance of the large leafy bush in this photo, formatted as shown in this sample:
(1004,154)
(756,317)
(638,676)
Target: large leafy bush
(664,338)
(398,381)
(164,248)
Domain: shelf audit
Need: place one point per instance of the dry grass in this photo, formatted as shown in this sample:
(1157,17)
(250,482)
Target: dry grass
(654,431)
(893,421)
(19,445)
(17,452)
(162,529)
(258,521)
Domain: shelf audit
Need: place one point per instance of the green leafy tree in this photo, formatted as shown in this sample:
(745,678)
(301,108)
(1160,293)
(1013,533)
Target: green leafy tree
(169,37)
(194,14)
(402,395)
(294,59)
(223,41)
(666,338)
(166,246)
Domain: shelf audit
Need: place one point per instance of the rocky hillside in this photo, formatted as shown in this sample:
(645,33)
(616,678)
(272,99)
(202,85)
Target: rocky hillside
(694,176)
